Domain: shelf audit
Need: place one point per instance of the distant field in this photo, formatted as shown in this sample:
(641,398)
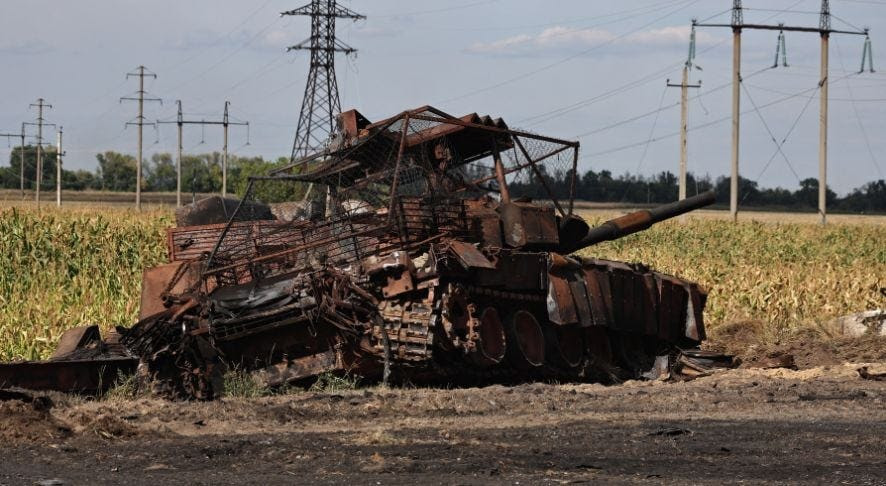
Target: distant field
(13,197)
(83,264)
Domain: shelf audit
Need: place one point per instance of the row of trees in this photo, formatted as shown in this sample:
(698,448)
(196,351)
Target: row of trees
(663,187)
(202,173)
(116,172)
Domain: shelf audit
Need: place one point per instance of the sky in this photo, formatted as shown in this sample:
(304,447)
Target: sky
(592,71)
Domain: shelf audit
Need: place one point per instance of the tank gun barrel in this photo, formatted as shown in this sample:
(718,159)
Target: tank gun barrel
(641,220)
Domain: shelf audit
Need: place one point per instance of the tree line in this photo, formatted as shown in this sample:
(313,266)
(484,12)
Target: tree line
(116,172)
(663,187)
(202,173)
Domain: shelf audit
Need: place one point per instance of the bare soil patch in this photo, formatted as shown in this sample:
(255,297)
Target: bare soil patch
(778,426)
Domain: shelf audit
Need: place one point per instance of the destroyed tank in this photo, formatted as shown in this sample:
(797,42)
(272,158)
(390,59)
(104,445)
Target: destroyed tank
(423,248)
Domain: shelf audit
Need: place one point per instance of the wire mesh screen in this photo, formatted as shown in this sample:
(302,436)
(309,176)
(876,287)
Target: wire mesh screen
(388,185)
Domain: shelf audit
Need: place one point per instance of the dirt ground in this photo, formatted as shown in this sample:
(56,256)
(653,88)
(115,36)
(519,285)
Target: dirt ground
(822,425)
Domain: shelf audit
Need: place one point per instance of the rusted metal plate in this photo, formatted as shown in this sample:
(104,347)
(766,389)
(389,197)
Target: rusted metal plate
(650,302)
(398,285)
(516,271)
(299,368)
(596,300)
(528,225)
(581,297)
(694,317)
(80,376)
(74,339)
(158,280)
(672,308)
(560,302)
(469,256)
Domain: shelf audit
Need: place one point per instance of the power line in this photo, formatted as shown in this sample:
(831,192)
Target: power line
(648,140)
(226,57)
(861,128)
(663,108)
(769,131)
(621,89)
(533,72)
(701,126)
(650,8)
(214,44)
(438,10)
(783,141)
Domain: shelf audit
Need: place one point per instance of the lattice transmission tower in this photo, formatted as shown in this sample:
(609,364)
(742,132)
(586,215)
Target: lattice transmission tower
(321,103)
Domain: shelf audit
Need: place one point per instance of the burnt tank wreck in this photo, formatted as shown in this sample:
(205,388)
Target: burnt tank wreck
(412,250)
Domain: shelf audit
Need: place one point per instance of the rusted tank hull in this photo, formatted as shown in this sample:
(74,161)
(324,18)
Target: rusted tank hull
(413,260)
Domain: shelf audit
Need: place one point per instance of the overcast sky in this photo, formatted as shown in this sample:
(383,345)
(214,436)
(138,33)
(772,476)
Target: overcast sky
(570,68)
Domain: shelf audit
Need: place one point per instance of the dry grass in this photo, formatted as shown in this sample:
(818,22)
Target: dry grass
(64,268)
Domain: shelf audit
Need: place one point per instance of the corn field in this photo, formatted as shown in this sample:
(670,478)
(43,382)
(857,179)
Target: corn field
(60,269)
(787,275)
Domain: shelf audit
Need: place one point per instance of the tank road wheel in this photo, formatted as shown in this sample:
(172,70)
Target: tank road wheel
(490,333)
(456,313)
(565,345)
(526,348)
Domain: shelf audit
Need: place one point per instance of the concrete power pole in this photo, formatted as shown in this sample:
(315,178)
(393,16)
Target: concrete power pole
(21,151)
(141,72)
(178,168)
(22,162)
(225,152)
(824,30)
(58,170)
(40,105)
(737,21)
(684,113)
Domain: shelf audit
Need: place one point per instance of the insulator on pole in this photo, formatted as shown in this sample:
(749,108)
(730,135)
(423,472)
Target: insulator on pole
(867,53)
(690,60)
(781,49)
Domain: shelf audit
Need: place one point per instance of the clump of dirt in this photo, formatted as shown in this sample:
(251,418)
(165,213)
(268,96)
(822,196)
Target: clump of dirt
(104,424)
(23,422)
(756,346)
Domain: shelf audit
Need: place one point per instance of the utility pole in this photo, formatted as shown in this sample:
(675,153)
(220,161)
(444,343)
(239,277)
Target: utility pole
(58,169)
(40,105)
(824,30)
(141,72)
(21,151)
(178,169)
(225,122)
(684,113)
(22,163)
(320,104)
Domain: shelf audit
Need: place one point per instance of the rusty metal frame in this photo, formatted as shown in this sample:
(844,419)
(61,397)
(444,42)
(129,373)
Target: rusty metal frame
(403,134)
